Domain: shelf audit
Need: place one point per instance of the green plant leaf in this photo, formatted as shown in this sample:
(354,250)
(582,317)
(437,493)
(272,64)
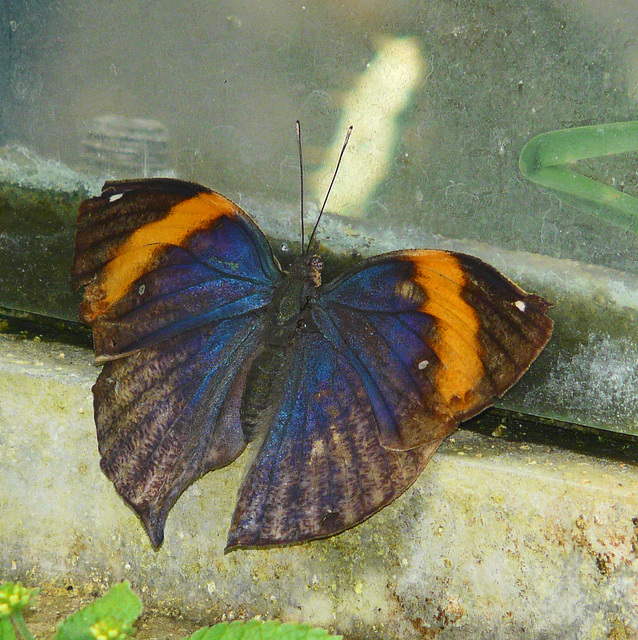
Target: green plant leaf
(6,630)
(260,630)
(14,597)
(119,603)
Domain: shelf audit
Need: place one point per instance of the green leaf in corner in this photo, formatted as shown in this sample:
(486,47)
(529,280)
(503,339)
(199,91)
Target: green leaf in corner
(260,630)
(117,609)
(6,630)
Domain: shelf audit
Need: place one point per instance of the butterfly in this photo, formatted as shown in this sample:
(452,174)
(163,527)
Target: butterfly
(345,388)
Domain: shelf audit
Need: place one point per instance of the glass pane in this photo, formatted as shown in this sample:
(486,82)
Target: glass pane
(443,96)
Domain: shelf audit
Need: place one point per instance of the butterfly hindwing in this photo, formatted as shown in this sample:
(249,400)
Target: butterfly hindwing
(398,351)
(169,413)
(177,282)
(321,468)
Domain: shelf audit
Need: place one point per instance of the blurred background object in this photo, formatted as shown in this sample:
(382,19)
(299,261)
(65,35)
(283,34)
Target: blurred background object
(121,147)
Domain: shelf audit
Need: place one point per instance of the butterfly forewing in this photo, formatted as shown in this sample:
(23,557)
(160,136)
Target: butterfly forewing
(436,335)
(173,263)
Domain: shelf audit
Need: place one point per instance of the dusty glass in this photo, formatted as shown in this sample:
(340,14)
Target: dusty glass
(442,95)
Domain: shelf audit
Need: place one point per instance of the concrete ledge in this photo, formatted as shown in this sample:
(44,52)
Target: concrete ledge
(495,540)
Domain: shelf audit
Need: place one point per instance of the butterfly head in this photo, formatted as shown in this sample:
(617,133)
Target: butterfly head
(314,265)
(306,273)
(307,270)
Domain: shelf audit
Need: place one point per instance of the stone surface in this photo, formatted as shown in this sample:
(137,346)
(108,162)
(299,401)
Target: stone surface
(495,540)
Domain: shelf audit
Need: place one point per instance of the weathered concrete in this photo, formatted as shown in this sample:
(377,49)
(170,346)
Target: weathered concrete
(495,540)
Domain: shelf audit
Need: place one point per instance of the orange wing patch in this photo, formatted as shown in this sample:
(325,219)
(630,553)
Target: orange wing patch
(456,338)
(138,254)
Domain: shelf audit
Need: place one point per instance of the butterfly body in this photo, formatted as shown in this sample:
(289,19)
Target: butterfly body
(345,387)
(284,318)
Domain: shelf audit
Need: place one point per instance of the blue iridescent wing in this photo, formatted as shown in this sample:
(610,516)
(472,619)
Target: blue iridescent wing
(177,279)
(158,257)
(321,468)
(398,351)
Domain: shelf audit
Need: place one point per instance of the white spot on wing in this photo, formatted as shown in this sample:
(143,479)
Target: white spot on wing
(422,365)
(115,196)
(520,305)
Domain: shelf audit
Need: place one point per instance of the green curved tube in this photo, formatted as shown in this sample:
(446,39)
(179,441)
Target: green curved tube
(543,158)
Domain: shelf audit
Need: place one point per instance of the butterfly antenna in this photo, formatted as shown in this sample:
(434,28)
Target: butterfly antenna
(303,239)
(334,177)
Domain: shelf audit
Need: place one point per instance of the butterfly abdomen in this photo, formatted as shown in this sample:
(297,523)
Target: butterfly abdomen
(264,390)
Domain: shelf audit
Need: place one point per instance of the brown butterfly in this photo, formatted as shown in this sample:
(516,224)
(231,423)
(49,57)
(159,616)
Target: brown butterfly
(347,387)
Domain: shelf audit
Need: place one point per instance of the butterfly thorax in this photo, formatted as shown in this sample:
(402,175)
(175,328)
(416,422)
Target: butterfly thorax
(286,316)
